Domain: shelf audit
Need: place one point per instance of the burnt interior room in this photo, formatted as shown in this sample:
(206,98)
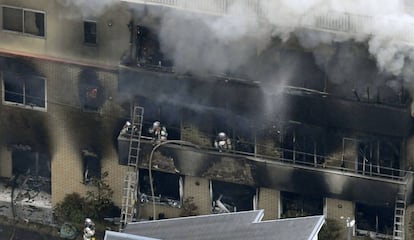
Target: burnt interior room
(353,74)
(167,187)
(372,155)
(237,128)
(91,91)
(297,205)
(22,83)
(24,89)
(232,197)
(282,64)
(148,49)
(32,164)
(378,219)
(303,144)
(168,114)
(91,166)
(89,32)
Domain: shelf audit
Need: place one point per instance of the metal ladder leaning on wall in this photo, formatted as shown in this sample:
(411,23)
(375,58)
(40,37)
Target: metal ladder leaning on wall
(129,195)
(399,214)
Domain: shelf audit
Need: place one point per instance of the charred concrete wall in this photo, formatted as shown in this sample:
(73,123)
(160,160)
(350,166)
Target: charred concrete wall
(198,188)
(64,29)
(146,211)
(269,200)
(337,208)
(410,153)
(5,162)
(409,218)
(65,128)
(191,133)
(75,130)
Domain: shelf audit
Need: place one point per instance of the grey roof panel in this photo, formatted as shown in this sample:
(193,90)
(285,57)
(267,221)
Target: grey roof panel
(240,225)
(110,235)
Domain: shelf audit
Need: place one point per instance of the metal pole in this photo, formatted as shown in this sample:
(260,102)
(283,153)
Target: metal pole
(150,166)
(348,229)
(348,233)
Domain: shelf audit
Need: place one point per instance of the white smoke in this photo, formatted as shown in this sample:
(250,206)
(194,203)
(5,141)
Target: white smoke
(205,44)
(223,43)
(231,43)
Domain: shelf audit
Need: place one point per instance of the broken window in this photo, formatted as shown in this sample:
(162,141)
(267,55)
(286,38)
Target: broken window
(91,166)
(91,93)
(24,90)
(34,166)
(378,219)
(296,205)
(231,197)
(24,20)
(168,187)
(89,32)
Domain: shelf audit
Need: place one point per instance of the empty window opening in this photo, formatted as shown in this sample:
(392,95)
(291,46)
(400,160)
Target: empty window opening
(197,127)
(89,32)
(296,205)
(231,197)
(24,90)
(148,49)
(303,147)
(34,166)
(243,136)
(269,141)
(24,20)
(371,156)
(237,129)
(91,92)
(376,219)
(168,188)
(91,166)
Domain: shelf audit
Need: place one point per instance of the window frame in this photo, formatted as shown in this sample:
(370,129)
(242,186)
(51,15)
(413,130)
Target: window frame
(23,105)
(23,21)
(84,32)
(168,201)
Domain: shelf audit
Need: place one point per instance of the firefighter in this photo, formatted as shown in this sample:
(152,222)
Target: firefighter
(129,129)
(222,142)
(89,230)
(159,133)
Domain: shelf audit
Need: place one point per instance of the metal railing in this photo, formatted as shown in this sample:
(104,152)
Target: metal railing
(303,159)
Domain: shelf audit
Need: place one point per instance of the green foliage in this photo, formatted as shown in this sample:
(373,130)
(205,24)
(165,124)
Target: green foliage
(72,209)
(96,205)
(331,230)
(100,198)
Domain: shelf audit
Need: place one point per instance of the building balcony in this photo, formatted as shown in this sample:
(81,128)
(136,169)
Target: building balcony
(361,184)
(301,105)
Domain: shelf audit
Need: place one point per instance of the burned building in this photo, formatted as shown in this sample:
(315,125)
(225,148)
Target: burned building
(316,127)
